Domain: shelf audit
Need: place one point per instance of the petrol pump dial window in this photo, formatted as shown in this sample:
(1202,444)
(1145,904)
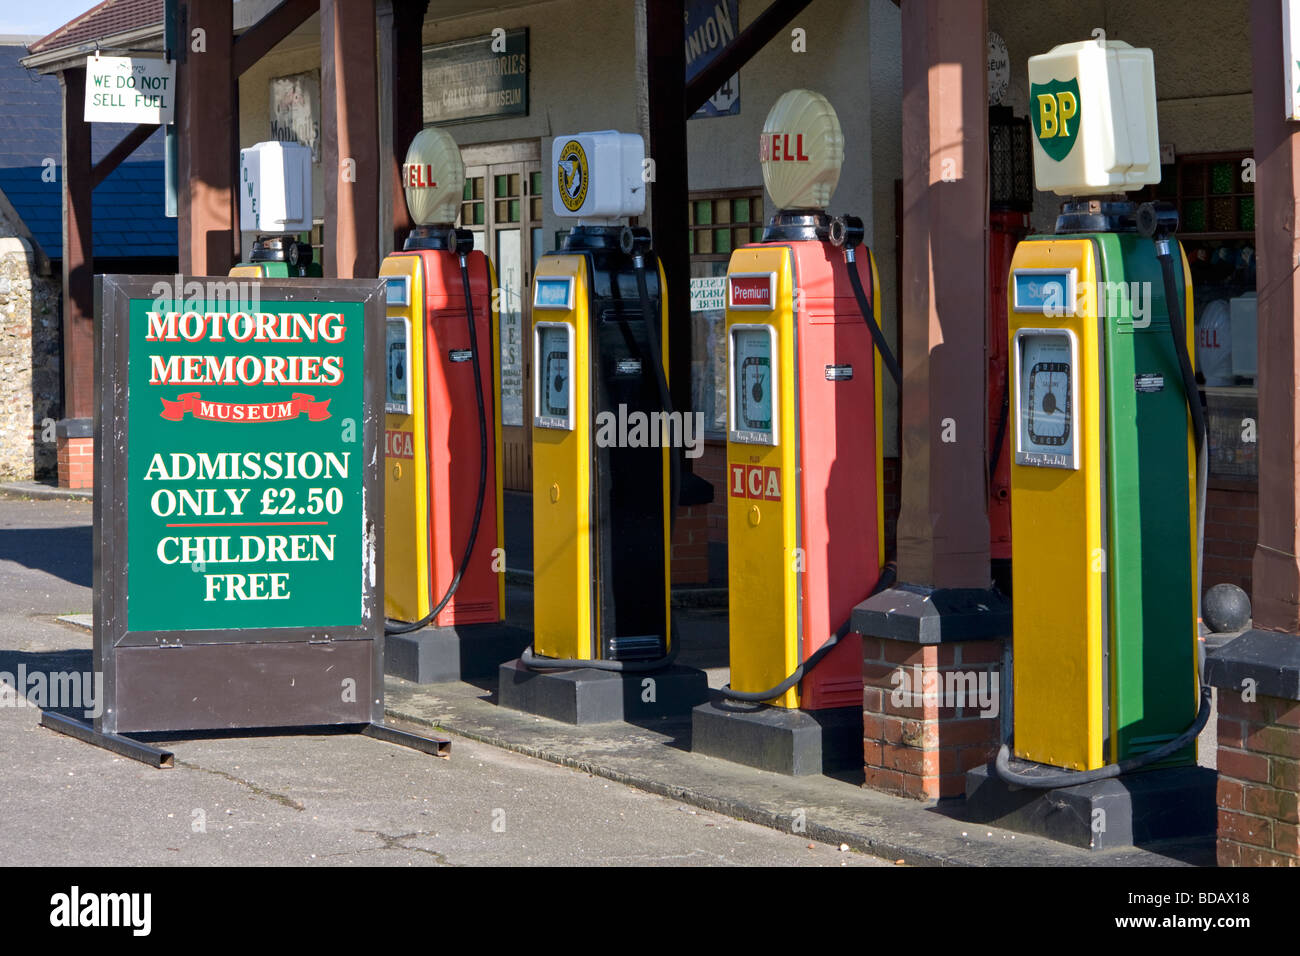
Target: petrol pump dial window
(554,387)
(752,406)
(1046,388)
(395,401)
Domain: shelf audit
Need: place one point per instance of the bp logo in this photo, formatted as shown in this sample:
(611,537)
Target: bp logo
(571,175)
(1054,108)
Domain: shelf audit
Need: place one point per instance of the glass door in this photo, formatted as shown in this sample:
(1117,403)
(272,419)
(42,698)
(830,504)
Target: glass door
(503,207)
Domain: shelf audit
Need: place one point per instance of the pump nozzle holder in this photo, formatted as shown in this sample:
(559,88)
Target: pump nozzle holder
(847,231)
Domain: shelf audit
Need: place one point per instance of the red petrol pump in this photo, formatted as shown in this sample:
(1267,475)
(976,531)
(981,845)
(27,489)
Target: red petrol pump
(804,441)
(444,549)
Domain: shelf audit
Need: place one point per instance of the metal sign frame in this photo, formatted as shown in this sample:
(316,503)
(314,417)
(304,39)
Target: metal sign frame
(203,680)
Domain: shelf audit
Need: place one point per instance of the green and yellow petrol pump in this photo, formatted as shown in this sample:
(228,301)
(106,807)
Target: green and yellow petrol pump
(275,203)
(1108,467)
(604,471)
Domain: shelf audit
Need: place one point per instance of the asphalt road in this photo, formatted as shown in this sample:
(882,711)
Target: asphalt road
(308,800)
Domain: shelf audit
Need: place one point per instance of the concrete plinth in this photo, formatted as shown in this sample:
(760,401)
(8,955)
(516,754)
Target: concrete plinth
(1142,807)
(435,655)
(589,696)
(792,742)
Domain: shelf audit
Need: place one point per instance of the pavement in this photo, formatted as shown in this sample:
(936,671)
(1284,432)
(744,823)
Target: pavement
(305,800)
(608,794)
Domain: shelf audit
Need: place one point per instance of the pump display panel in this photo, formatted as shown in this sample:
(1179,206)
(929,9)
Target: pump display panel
(1047,386)
(552,378)
(752,385)
(553,292)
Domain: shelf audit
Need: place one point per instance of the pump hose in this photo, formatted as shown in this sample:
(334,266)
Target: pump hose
(399,627)
(1070,778)
(868,315)
(889,572)
(528,658)
(888,575)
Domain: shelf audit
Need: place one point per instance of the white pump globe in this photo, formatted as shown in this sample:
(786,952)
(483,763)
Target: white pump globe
(433,177)
(801,150)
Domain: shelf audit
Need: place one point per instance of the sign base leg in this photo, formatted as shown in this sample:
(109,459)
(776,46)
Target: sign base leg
(432,745)
(123,746)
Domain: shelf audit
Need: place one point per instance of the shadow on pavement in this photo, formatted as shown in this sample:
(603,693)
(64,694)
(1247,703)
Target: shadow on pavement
(64,552)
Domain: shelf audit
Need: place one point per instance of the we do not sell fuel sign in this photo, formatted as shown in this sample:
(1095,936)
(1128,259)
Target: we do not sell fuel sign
(124,89)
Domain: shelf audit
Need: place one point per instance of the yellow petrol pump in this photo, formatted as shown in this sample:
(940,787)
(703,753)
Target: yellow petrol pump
(443,505)
(603,491)
(602,502)
(607,444)
(275,203)
(1108,441)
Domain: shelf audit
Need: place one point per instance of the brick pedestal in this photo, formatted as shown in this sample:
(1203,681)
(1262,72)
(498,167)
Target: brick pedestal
(923,722)
(1259,781)
(1258,680)
(76,453)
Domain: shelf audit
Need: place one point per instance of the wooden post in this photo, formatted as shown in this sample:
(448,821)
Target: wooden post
(350,136)
(943,530)
(207,157)
(1276,568)
(666,81)
(78,253)
(408,100)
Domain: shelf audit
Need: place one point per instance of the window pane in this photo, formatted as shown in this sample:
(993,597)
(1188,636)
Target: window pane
(535,183)
(514,185)
(703,241)
(722,211)
(740,210)
(514,210)
(721,240)
(478,214)
(502,183)
(704,213)
(1223,178)
(536,203)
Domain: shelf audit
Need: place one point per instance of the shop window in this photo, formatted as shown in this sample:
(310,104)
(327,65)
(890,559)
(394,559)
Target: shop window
(719,222)
(1215,197)
(471,207)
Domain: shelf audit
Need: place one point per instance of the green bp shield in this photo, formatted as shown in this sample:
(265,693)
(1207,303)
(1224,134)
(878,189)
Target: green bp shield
(1055,112)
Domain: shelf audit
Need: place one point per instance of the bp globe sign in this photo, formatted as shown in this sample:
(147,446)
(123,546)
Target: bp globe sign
(238,503)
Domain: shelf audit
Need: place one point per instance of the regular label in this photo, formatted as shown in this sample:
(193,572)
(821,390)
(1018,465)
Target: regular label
(839,373)
(461,355)
(1149,382)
